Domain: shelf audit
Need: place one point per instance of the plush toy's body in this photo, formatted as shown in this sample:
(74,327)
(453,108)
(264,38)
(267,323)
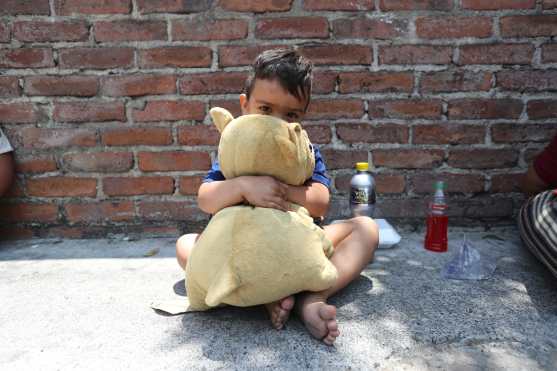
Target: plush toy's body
(250,255)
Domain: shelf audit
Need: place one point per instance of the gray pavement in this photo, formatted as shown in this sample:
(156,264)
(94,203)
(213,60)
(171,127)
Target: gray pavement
(84,305)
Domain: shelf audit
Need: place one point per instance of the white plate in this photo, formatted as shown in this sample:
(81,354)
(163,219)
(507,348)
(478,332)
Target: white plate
(388,236)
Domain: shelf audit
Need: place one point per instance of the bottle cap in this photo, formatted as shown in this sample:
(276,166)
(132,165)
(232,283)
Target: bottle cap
(440,185)
(362,166)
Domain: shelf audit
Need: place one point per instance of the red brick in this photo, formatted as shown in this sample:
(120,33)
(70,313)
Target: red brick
(403,208)
(233,106)
(496,54)
(178,56)
(416,5)
(376,133)
(542,109)
(204,29)
(5,32)
(549,53)
(56,138)
(530,154)
(256,6)
(338,54)
(169,210)
(480,158)
(138,186)
(292,28)
(335,108)
(189,185)
(485,108)
(212,83)
(365,82)
(71,7)
(104,162)
(26,58)
(24,113)
(498,4)
(35,164)
(318,132)
(423,183)
(549,4)
(168,110)
(455,81)
(137,136)
(453,27)
(9,87)
(529,26)
(517,133)
(415,54)
(130,30)
(332,5)
(173,161)
(531,80)
(59,186)
(172,6)
(385,183)
(100,212)
(198,135)
(80,86)
(448,133)
(50,31)
(67,232)
(366,28)
(165,230)
(506,183)
(402,158)
(338,159)
(89,111)
(36,7)
(96,58)
(324,82)
(481,208)
(28,212)
(231,56)
(138,85)
(411,109)
(15,233)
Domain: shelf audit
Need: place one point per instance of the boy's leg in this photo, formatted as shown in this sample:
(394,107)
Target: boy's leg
(183,248)
(6,171)
(355,241)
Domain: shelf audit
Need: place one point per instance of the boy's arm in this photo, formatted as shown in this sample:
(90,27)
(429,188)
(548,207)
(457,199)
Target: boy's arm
(262,191)
(314,196)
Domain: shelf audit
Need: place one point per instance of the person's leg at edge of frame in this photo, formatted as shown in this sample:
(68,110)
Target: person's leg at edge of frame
(355,241)
(183,248)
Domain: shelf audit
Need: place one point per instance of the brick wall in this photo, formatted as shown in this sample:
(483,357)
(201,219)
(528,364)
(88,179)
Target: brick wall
(106,102)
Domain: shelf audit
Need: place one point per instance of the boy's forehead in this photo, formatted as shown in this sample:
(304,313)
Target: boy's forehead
(272,92)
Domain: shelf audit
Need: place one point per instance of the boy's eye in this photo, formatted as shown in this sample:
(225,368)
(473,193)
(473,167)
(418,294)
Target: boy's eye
(265,109)
(292,116)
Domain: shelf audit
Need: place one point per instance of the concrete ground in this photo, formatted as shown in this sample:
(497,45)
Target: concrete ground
(84,304)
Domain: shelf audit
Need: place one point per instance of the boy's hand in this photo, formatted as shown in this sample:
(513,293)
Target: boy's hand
(265,191)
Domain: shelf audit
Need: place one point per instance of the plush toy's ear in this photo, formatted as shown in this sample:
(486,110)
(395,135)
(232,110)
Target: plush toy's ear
(221,117)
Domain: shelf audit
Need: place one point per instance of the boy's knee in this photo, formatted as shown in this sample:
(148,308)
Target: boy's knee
(366,223)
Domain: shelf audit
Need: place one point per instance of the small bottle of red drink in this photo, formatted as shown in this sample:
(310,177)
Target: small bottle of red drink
(437,221)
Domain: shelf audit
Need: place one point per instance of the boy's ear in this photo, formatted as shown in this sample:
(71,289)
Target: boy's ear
(221,117)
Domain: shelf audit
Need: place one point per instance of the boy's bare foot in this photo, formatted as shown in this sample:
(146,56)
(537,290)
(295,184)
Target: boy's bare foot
(279,311)
(319,318)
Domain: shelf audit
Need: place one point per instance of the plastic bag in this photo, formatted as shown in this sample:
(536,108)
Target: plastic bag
(468,264)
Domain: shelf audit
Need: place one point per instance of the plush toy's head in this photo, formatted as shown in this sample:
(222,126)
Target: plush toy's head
(263,145)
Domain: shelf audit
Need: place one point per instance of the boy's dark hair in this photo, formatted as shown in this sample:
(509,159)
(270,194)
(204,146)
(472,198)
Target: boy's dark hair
(293,71)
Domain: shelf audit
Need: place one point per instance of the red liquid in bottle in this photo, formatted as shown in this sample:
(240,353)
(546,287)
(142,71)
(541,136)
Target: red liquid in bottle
(436,234)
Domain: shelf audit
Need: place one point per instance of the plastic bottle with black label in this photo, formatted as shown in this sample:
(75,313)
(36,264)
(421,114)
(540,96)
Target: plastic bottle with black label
(362,191)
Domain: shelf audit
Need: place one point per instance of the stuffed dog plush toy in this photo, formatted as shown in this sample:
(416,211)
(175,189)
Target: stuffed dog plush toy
(252,255)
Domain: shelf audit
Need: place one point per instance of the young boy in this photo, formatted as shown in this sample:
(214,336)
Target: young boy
(280,86)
